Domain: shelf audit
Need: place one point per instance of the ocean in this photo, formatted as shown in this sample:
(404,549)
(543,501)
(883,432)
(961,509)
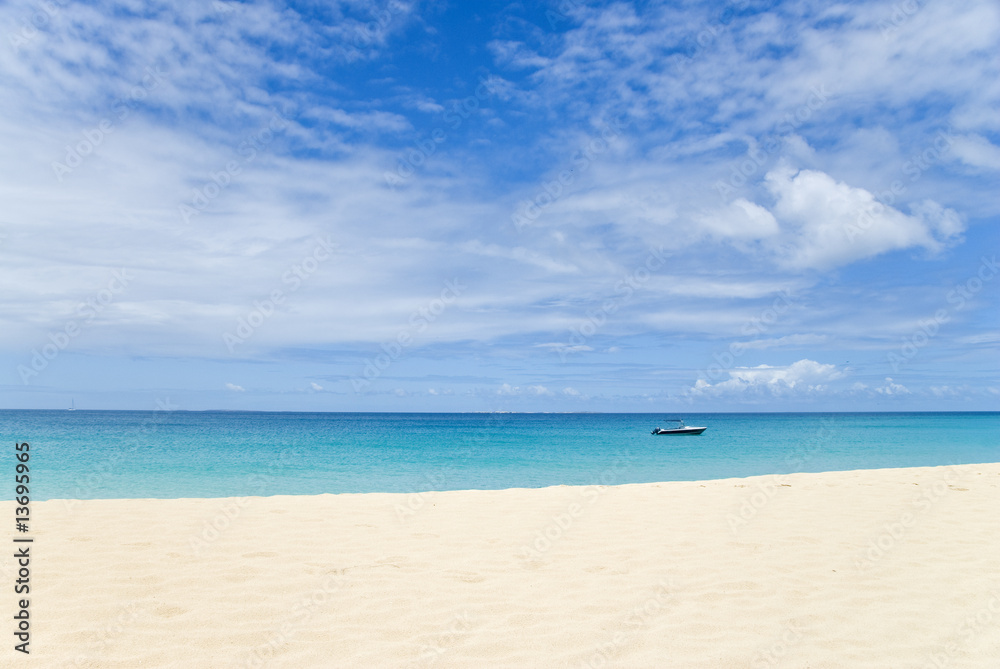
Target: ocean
(170,454)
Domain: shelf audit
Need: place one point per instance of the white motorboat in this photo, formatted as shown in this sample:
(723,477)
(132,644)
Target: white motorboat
(680,429)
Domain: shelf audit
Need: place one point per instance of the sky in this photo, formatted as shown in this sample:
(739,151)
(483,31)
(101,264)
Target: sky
(555,206)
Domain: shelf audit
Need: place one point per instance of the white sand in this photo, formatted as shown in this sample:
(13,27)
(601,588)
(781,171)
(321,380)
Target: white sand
(759,572)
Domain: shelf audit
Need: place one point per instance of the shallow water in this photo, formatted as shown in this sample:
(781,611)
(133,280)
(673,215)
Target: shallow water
(125,454)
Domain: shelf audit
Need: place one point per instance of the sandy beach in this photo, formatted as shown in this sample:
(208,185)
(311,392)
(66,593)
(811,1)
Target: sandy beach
(876,568)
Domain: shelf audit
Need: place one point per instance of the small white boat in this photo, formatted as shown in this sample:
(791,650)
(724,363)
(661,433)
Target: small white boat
(680,429)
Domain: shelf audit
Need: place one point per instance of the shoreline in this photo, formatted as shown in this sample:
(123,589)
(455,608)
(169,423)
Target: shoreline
(476,490)
(881,567)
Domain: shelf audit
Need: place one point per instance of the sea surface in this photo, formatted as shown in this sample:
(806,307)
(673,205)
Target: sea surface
(168,454)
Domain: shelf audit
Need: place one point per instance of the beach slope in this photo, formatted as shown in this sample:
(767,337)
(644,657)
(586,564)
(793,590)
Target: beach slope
(876,568)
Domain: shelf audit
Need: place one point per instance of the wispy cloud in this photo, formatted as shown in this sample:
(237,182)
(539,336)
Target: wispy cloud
(803,376)
(822,124)
(790,341)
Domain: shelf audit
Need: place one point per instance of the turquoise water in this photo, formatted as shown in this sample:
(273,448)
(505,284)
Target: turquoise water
(129,454)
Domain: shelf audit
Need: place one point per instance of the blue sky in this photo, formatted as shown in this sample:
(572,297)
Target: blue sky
(564,206)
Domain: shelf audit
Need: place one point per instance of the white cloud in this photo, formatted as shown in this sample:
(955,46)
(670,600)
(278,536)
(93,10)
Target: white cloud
(804,376)
(945,223)
(315,386)
(516,55)
(711,288)
(741,219)
(976,151)
(788,340)
(364,121)
(827,223)
(537,390)
(981,338)
(235,388)
(843,50)
(518,254)
(429,107)
(892,388)
(559,347)
(690,119)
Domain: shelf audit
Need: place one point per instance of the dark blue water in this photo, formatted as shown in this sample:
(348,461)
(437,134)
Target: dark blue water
(134,454)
